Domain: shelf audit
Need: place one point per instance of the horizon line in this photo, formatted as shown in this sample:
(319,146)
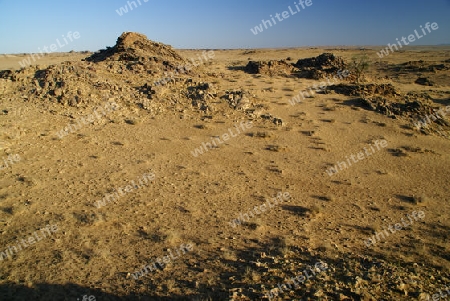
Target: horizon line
(243,48)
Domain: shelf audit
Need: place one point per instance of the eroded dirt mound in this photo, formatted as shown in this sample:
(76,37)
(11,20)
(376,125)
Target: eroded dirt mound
(134,52)
(135,72)
(133,46)
(418,109)
(367,89)
(68,83)
(422,115)
(420,72)
(420,66)
(407,108)
(320,66)
(270,67)
(424,81)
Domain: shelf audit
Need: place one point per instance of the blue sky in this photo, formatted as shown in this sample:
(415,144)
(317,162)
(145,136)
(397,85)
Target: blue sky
(26,25)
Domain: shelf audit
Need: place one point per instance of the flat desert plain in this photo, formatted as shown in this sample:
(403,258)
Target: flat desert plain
(142,172)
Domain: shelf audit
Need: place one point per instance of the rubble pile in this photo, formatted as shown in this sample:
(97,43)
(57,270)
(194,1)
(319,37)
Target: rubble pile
(134,71)
(418,109)
(420,66)
(238,99)
(200,94)
(320,67)
(271,68)
(137,54)
(367,89)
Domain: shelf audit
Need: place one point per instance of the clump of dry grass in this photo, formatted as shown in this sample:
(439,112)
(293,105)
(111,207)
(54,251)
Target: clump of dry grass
(4,196)
(281,247)
(201,126)
(133,121)
(284,251)
(229,255)
(421,200)
(251,275)
(329,108)
(309,133)
(30,181)
(398,152)
(172,237)
(263,134)
(211,280)
(170,284)
(329,120)
(315,211)
(330,198)
(253,225)
(325,247)
(276,148)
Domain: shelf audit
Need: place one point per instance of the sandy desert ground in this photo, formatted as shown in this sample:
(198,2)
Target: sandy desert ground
(217,177)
